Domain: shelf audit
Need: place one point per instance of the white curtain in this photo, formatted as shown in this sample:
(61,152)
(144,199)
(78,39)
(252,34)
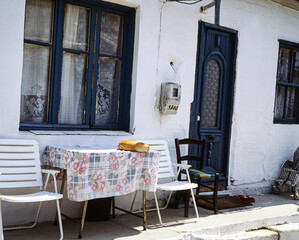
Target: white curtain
(38,20)
(73,67)
(36,59)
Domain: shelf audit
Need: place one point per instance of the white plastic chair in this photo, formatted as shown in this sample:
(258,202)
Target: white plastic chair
(166,172)
(20,168)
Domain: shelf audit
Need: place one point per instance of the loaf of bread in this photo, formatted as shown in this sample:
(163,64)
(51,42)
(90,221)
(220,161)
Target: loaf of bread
(130,145)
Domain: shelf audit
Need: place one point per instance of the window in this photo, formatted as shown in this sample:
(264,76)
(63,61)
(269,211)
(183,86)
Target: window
(77,65)
(287,85)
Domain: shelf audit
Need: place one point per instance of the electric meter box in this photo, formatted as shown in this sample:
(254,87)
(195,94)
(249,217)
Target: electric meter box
(170,97)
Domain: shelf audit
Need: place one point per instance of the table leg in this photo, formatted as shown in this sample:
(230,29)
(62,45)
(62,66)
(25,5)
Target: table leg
(113,207)
(83,219)
(61,192)
(144,210)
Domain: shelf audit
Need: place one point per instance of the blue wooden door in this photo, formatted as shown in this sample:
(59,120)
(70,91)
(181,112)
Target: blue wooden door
(211,110)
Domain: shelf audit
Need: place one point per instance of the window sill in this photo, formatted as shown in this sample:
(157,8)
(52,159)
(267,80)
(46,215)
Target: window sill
(98,133)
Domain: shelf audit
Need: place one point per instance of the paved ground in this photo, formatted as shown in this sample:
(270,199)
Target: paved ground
(266,211)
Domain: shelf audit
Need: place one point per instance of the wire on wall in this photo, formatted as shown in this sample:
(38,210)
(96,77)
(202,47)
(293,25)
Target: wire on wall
(158,57)
(178,78)
(188,2)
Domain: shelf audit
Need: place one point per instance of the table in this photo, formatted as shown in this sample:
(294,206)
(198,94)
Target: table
(93,173)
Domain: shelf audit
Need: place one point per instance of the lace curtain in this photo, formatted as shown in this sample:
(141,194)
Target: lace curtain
(72,83)
(286,96)
(75,36)
(36,61)
(108,84)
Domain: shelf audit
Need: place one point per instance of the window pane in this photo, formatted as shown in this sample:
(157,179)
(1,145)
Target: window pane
(39,20)
(34,93)
(76,27)
(73,79)
(108,85)
(291,109)
(211,94)
(111,34)
(296,68)
(283,65)
(279,101)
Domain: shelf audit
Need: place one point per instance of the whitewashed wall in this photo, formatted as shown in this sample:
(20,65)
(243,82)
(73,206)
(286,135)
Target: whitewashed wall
(167,32)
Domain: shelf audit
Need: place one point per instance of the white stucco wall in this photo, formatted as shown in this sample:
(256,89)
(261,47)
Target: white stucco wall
(166,33)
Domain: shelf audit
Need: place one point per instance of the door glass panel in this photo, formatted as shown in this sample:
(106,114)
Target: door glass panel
(34,93)
(39,20)
(279,101)
(283,65)
(111,34)
(73,78)
(108,85)
(211,94)
(292,96)
(295,78)
(76,27)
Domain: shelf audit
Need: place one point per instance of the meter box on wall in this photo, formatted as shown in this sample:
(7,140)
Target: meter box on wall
(170,97)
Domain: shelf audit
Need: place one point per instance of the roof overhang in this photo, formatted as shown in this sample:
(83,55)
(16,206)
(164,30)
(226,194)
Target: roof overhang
(294,4)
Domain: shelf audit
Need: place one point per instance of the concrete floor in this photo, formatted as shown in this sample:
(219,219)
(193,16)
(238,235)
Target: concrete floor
(267,210)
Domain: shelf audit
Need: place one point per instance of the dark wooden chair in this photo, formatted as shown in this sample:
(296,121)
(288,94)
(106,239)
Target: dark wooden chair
(198,174)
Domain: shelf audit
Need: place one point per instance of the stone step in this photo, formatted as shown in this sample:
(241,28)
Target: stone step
(263,234)
(286,231)
(289,231)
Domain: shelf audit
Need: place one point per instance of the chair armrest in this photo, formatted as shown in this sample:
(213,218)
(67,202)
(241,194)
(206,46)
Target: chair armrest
(50,171)
(184,166)
(53,173)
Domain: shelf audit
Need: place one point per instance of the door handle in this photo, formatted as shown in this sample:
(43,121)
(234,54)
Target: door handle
(198,118)
(211,137)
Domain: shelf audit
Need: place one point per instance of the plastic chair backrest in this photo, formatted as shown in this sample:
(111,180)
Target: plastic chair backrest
(19,164)
(165,164)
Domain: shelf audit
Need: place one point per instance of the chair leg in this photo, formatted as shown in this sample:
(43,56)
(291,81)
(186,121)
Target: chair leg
(1,225)
(61,191)
(59,219)
(179,222)
(36,220)
(216,185)
(154,209)
(158,210)
(187,204)
(29,226)
(198,187)
(194,203)
(37,215)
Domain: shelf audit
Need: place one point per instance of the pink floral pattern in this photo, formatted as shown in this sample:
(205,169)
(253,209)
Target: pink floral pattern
(96,174)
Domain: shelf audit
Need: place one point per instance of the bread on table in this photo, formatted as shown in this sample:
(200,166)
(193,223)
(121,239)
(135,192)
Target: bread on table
(130,145)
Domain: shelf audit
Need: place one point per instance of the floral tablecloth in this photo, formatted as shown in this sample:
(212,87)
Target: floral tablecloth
(94,173)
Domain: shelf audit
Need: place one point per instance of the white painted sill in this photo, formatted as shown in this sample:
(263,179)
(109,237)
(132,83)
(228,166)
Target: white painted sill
(98,133)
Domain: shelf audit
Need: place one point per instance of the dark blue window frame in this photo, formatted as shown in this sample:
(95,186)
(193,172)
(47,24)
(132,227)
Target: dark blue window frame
(92,71)
(292,47)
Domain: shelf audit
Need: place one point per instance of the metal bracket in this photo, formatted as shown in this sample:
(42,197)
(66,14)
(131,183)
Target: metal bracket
(215,3)
(206,7)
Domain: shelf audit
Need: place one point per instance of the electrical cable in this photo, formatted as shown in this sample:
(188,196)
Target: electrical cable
(188,2)
(176,73)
